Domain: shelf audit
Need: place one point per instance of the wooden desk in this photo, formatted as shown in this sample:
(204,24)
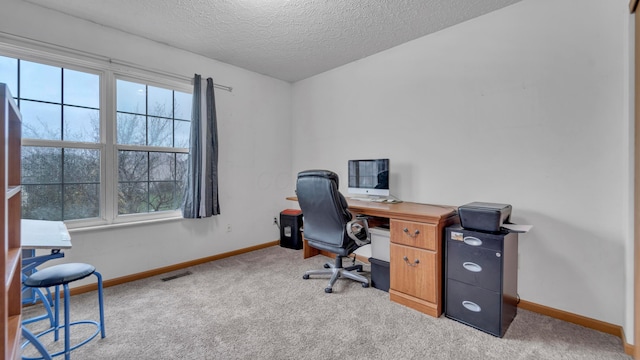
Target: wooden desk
(416,252)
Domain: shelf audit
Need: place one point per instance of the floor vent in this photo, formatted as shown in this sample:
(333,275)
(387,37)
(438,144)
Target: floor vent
(186,273)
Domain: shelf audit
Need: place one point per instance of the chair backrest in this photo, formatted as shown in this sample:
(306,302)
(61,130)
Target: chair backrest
(324,209)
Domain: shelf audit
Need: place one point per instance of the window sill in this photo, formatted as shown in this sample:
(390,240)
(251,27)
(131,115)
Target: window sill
(80,229)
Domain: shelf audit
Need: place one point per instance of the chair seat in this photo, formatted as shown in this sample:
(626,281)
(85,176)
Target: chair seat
(59,275)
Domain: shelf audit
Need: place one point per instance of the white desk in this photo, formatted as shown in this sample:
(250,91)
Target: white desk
(42,234)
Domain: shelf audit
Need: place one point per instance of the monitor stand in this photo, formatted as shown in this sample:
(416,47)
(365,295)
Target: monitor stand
(373,198)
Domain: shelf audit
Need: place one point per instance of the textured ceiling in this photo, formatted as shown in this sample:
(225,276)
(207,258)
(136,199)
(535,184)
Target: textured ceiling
(286,39)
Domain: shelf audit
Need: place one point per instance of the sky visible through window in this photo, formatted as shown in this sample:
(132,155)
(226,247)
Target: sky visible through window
(61,105)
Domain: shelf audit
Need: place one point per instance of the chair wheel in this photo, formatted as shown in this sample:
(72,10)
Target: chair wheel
(365,285)
(328,290)
(305,276)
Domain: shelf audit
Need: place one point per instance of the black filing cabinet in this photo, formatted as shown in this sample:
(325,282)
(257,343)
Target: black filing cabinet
(481,278)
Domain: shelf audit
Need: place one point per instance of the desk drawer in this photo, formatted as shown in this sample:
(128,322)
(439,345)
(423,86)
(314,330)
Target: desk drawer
(420,235)
(474,266)
(414,272)
(493,241)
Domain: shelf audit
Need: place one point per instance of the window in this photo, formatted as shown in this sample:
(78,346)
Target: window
(153,139)
(61,127)
(70,171)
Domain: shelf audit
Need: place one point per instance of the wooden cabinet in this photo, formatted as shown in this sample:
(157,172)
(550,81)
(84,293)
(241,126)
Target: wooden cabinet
(415,250)
(10,301)
(415,270)
(412,271)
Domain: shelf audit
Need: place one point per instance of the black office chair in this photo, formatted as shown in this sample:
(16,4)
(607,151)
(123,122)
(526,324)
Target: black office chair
(328,224)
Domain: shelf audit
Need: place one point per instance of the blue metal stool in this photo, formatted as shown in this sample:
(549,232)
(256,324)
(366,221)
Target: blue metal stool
(62,275)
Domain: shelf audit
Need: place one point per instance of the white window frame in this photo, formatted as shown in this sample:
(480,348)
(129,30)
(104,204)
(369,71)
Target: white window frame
(108,72)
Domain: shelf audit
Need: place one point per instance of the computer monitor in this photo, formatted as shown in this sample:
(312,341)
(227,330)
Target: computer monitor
(369,177)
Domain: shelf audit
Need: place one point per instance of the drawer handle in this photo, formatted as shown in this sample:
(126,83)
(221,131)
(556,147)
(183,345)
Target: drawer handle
(471,306)
(415,263)
(415,233)
(473,241)
(473,267)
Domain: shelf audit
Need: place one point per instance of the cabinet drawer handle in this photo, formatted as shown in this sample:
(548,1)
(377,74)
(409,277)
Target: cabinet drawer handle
(415,263)
(473,241)
(471,306)
(473,267)
(415,233)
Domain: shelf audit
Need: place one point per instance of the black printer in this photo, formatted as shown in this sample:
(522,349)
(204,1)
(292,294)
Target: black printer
(484,216)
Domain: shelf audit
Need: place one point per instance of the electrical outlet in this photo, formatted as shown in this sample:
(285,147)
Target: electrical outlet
(228,227)
(275,221)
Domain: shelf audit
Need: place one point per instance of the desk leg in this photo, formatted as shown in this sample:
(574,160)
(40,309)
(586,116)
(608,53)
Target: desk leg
(308,251)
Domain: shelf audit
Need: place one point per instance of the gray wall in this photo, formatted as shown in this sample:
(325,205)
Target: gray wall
(529,106)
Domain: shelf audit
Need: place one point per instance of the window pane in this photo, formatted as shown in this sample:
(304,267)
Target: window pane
(40,82)
(131,97)
(161,196)
(160,132)
(133,193)
(132,166)
(81,124)
(82,166)
(181,133)
(161,166)
(81,201)
(132,198)
(183,103)
(160,102)
(182,166)
(42,202)
(40,120)
(82,89)
(41,165)
(132,129)
(153,190)
(181,174)
(9,73)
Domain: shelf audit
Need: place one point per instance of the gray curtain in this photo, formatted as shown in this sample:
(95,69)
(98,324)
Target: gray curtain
(201,192)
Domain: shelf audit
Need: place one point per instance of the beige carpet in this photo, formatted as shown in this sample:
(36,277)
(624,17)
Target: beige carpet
(257,306)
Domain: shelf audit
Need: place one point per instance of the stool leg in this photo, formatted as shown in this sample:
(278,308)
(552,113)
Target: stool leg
(45,303)
(57,313)
(36,343)
(67,337)
(100,303)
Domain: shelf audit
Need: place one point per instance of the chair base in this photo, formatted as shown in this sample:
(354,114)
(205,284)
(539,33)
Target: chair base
(336,271)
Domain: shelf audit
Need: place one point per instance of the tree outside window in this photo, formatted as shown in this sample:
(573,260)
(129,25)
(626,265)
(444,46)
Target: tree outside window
(64,167)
